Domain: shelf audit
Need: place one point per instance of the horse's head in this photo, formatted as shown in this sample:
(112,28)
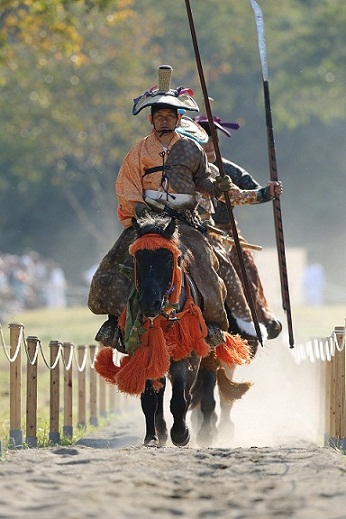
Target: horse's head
(157,264)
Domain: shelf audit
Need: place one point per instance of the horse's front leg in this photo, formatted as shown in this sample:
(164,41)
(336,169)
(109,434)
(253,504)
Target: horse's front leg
(183,374)
(226,425)
(149,403)
(160,422)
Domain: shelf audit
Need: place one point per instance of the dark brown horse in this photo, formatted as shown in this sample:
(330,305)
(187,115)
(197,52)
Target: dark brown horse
(163,332)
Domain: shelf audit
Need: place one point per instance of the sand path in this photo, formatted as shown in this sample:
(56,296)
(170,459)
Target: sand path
(273,467)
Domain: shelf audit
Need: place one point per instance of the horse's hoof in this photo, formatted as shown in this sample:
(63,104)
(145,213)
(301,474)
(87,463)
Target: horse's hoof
(204,440)
(180,440)
(274,328)
(151,442)
(163,440)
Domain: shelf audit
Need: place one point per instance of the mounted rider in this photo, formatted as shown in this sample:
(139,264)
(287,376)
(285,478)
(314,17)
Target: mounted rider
(219,216)
(169,168)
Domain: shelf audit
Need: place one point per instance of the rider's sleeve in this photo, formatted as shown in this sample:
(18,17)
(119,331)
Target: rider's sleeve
(128,187)
(239,175)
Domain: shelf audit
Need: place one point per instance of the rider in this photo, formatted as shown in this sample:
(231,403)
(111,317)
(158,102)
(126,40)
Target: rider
(241,178)
(168,167)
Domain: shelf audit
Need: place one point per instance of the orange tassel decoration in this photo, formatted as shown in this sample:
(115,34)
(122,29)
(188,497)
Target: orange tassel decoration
(234,350)
(149,361)
(105,366)
(161,342)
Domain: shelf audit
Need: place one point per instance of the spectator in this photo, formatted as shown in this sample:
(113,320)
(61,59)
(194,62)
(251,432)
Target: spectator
(314,284)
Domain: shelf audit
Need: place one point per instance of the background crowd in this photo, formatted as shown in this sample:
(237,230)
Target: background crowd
(30,281)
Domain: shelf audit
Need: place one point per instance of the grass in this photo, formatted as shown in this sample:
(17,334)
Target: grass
(79,326)
(73,324)
(312,322)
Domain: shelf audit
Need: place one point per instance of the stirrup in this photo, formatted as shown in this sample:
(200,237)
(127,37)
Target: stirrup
(215,336)
(107,332)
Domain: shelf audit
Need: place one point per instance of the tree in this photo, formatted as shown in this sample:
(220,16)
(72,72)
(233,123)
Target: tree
(66,91)
(43,25)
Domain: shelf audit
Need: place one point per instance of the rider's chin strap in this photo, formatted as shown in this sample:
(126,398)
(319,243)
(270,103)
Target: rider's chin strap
(163,132)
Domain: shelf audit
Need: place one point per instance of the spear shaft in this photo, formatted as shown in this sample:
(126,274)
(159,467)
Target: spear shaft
(245,279)
(279,233)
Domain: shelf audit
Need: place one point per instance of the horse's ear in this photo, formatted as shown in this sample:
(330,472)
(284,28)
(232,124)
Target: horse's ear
(169,230)
(135,225)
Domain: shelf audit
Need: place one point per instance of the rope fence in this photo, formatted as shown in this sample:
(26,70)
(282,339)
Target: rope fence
(73,384)
(330,353)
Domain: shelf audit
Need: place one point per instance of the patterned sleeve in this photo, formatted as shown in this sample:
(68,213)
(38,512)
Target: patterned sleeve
(239,175)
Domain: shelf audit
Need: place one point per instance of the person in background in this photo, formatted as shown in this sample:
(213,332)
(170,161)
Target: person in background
(55,286)
(314,282)
(244,181)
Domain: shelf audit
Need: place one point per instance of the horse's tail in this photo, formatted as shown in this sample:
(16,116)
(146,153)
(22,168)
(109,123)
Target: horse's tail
(208,363)
(228,389)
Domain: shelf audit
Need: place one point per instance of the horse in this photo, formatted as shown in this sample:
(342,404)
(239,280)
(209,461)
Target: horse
(212,374)
(164,331)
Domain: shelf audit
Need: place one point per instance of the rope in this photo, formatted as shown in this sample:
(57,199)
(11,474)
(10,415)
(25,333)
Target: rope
(321,348)
(19,343)
(35,356)
(71,358)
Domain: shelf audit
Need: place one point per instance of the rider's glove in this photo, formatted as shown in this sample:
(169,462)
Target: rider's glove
(224,183)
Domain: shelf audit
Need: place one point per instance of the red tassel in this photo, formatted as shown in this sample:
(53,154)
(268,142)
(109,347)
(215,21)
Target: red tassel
(105,366)
(182,347)
(160,356)
(131,377)
(149,361)
(234,350)
(198,330)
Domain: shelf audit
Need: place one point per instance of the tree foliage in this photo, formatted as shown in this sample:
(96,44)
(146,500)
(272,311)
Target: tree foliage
(70,69)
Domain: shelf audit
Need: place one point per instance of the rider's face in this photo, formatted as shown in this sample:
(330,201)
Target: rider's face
(165,119)
(209,149)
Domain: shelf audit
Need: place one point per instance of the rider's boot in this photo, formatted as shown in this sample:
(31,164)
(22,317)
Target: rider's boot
(108,333)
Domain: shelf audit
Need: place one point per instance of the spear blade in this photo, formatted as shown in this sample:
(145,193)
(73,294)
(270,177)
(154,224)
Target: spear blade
(279,233)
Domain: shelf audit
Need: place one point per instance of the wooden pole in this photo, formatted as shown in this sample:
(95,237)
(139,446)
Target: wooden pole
(31,391)
(340,416)
(68,392)
(81,388)
(54,434)
(93,390)
(102,399)
(16,434)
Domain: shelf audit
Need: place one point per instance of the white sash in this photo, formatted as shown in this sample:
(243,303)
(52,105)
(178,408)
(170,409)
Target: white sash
(176,200)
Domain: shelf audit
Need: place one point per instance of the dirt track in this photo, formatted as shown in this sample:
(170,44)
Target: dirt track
(105,479)
(271,468)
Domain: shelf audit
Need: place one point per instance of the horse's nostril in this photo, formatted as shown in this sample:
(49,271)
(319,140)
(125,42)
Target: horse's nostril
(149,309)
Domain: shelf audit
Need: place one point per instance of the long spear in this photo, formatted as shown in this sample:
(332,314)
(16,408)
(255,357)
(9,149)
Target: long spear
(279,233)
(222,173)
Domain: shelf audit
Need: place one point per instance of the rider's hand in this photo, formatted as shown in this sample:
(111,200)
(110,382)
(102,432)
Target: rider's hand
(275,189)
(224,183)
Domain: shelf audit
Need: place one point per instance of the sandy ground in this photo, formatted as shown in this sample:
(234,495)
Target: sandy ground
(274,466)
